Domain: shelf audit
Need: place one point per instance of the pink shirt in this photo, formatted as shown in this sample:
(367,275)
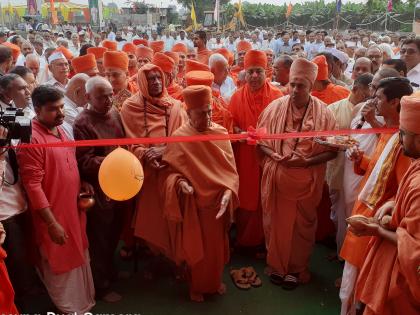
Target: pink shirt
(51,179)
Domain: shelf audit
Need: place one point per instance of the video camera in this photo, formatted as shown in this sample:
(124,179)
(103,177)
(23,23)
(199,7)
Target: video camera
(17,125)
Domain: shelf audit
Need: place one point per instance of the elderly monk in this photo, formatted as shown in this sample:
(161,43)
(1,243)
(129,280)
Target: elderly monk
(382,173)
(174,89)
(182,50)
(157,46)
(389,279)
(130,50)
(200,197)
(100,120)
(85,64)
(323,89)
(246,106)
(293,171)
(220,113)
(116,71)
(281,69)
(99,56)
(167,64)
(200,42)
(242,47)
(151,112)
(144,55)
(192,54)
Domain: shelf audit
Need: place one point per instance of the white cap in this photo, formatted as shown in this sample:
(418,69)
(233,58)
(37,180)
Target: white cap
(56,55)
(82,32)
(343,57)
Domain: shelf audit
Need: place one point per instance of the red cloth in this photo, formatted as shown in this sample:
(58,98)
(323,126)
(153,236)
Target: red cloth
(41,171)
(203,56)
(7,294)
(246,107)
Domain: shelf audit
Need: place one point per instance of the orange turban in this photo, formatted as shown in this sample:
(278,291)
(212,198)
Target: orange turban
(157,46)
(84,63)
(255,58)
(137,42)
(67,53)
(322,64)
(243,45)
(173,55)
(410,113)
(197,96)
(97,51)
(305,69)
(110,44)
(225,53)
(15,50)
(164,62)
(144,52)
(191,65)
(129,48)
(199,78)
(116,59)
(180,48)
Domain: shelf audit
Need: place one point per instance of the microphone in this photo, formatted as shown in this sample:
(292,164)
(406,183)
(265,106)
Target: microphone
(361,123)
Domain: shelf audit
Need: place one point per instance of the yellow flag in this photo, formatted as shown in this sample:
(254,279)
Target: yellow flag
(240,13)
(193,16)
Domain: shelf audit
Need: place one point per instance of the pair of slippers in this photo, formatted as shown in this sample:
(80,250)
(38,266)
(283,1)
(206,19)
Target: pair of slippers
(288,282)
(245,278)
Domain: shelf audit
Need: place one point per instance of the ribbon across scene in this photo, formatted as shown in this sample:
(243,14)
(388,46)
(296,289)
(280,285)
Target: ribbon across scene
(252,136)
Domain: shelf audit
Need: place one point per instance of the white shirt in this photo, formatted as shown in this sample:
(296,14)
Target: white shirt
(56,84)
(269,44)
(75,50)
(226,90)
(169,42)
(185,41)
(314,49)
(111,36)
(256,46)
(21,60)
(71,111)
(414,76)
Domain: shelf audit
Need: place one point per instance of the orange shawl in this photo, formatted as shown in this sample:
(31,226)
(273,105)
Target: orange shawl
(175,91)
(246,107)
(331,94)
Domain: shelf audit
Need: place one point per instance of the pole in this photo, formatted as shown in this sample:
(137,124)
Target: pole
(218,15)
(386,20)
(2,16)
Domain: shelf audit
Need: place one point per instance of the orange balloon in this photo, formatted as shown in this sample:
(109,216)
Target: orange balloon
(121,175)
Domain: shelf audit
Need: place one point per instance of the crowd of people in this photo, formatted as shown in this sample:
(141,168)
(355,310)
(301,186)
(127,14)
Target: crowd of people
(279,195)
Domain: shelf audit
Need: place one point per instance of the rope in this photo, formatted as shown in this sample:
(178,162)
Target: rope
(341,18)
(380,18)
(406,23)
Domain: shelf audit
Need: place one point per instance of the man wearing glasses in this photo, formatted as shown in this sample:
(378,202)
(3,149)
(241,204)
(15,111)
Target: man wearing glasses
(410,54)
(375,54)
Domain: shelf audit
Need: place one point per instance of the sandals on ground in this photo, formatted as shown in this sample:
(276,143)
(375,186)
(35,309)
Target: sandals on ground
(290,282)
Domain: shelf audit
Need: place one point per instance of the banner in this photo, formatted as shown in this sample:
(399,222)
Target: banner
(389,6)
(95,13)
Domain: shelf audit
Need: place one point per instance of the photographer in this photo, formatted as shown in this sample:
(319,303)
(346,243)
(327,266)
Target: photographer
(14,92)
(16,223)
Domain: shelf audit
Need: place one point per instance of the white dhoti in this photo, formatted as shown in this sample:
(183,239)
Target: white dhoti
(71,292)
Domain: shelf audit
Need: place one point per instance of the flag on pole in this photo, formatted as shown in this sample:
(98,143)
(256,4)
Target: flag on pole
(54,18)
(216,11)
(338,7)
(289,10)
(389,6)
(240,13)
(193,17)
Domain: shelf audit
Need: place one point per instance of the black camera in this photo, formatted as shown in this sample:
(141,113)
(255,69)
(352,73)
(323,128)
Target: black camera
(17,125)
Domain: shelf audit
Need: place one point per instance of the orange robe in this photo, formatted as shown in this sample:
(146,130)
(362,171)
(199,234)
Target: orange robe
(354,248)
(7,294)
(389,282)
(331,94)
(175,91)
(145,116)
(269,73)
(197,237)
(246,107)
(203,56)
(290,196)
(234,72)
(220,112)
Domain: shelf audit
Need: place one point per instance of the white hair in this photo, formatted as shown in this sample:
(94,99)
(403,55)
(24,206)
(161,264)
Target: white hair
(33,57)
(217,58)
(94,81)
(386,48)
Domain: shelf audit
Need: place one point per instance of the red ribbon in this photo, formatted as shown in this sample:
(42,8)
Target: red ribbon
(252,136)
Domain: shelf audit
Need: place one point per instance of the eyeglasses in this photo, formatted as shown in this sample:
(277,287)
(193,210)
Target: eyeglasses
(409,51)
(374,57)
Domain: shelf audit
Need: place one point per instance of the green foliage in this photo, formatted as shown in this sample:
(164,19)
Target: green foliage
(318,13)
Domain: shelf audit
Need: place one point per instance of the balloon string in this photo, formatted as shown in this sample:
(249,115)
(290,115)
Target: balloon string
(252,136)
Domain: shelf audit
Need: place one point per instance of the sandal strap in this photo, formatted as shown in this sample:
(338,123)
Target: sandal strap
(290,278)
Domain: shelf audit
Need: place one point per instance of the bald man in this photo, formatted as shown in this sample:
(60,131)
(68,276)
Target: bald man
(32,62)
(361,66)
(25,50)
(100,120)
(281,72)
(74,101)
(223,83)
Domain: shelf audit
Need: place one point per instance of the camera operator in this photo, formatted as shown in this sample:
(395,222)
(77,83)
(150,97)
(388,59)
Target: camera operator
(14,92)
(17,224)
